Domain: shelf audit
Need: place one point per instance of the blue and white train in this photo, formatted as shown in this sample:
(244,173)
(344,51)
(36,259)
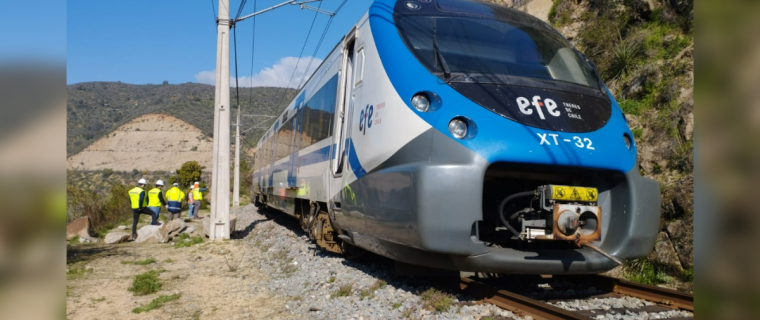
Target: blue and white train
(460,135)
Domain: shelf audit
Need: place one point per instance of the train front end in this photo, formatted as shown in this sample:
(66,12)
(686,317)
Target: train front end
(529,165)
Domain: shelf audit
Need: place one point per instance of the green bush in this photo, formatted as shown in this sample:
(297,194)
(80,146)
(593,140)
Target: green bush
(189,173)
(180,242)
(156,303)
(145,283)
(437,300)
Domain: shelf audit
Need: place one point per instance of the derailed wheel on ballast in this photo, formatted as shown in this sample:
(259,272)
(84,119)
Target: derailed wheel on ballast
(322,231)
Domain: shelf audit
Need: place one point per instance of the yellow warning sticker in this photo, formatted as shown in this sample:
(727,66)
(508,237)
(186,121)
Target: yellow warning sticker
(570,193)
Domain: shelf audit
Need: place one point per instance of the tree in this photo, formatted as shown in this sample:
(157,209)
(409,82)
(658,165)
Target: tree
(166,82)
(189,173)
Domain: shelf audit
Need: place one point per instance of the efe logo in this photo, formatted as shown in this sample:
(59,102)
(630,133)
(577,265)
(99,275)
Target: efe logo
(551,106)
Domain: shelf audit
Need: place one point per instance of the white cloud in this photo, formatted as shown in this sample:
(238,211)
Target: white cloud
(277,75)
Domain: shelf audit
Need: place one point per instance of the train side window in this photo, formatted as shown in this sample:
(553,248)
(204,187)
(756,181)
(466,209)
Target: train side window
(318,114)
(359,67)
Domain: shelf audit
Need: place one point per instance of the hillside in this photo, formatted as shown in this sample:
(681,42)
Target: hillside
(150,142)
(95,109)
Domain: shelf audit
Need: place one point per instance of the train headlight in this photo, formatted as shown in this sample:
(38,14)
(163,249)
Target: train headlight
(458,128)
(421,102)
(627,140)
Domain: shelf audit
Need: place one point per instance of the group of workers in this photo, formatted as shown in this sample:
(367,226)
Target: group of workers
(150,203)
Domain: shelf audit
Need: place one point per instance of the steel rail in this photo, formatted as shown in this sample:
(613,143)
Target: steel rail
(658,295)
(516,303)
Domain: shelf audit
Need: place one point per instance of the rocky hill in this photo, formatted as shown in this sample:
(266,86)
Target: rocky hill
(95,109)
(150,142)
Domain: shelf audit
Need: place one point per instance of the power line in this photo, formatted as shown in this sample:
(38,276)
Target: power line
(253,54)
(213,9)
(284,93)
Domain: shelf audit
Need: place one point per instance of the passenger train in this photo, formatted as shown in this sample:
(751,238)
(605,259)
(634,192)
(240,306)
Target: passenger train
(460,135)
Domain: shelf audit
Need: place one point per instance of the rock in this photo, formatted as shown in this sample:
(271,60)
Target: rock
(174,227)
(152,234)
(116,237)
(88,240)
(206,223)
(122,227)
(687,126)
(636,87)
(681,233)
(80,227)
(664,252)
(233,221)
(190,229)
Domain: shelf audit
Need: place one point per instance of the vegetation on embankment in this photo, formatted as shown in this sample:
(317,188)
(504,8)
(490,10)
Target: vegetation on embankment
(644,51)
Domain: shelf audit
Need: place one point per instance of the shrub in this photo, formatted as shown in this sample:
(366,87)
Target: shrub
(343,291)
(156,303)
(180,242)
(145,283)
(439,301)
(642,270)
(189,173)
(140,262)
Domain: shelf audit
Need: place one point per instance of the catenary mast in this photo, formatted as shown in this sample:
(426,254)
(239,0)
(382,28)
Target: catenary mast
(219,227)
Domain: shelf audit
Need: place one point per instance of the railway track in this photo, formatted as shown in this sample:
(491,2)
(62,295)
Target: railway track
(663,300)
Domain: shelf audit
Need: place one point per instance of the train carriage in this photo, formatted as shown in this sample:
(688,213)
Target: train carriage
(460,135)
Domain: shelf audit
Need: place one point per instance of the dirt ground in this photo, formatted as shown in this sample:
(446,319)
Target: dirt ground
(215,280)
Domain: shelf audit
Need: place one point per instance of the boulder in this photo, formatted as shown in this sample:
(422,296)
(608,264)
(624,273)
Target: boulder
(116,237)
(152,234)
(189,230)
(80,227)
(174,227)
(681,232)
(664,253)
(206,224)
(88,240)
(122,227)
(233,221)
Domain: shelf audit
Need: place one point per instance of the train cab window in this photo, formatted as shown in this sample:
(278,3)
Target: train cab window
(491,48)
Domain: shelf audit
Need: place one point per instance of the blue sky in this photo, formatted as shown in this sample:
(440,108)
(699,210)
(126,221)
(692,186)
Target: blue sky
(33,30)
(146,41)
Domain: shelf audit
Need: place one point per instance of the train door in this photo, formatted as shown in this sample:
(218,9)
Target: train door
(345,98)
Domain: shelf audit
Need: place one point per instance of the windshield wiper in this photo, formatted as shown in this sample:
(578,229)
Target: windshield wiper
(439,55)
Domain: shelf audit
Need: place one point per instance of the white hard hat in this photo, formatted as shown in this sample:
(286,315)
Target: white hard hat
(175,184)
(142,181)
(160,182)
(192,186)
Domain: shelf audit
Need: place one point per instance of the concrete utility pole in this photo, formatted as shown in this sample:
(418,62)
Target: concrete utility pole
(236,182)
(220,172)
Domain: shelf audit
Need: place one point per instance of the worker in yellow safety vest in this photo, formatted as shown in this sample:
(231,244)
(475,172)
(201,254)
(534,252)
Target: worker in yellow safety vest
(174,199)
(139,202)
(197,197)
(156,198)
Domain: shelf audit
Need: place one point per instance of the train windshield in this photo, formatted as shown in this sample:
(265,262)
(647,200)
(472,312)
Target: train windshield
(478,49)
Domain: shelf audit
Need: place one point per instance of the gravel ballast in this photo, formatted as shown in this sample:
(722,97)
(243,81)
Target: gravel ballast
(321,285)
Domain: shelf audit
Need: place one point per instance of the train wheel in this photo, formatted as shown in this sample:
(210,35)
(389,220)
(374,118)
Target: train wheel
(351,252)
(325,235)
